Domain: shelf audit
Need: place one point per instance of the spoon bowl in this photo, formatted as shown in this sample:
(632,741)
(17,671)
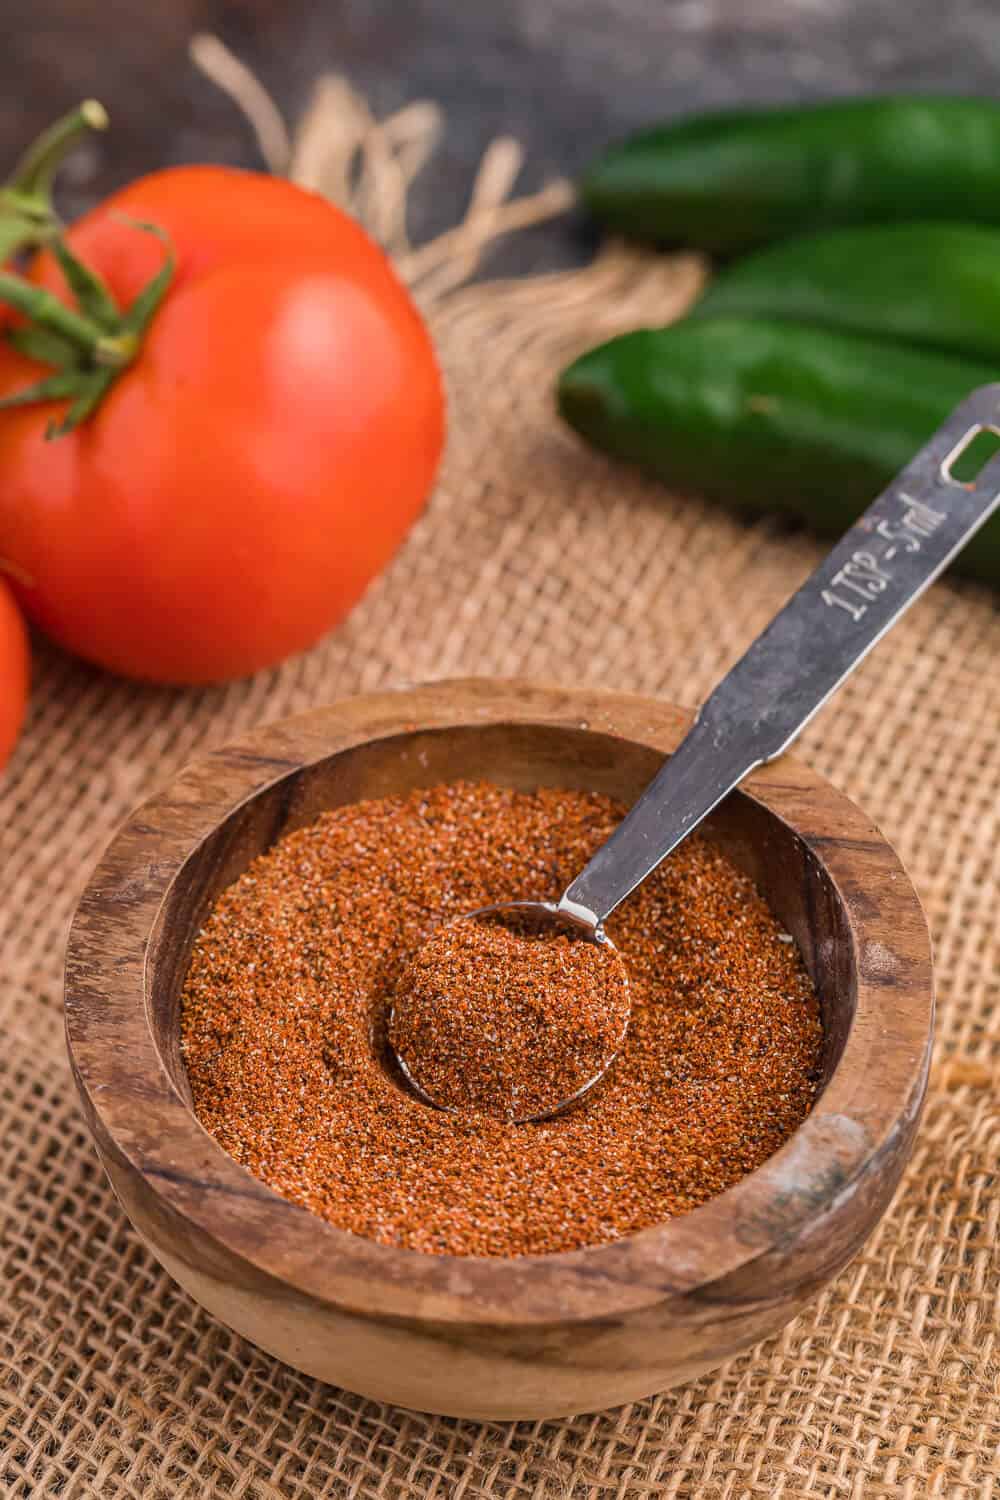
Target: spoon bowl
(538,917)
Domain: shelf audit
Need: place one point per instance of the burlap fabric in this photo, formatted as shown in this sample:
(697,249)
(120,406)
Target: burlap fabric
(539,558)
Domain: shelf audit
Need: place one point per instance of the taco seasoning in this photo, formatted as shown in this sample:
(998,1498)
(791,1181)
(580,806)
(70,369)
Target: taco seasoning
(493,1015)
(284,1029)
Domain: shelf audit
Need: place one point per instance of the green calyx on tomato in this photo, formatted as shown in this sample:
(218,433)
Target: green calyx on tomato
(89,347)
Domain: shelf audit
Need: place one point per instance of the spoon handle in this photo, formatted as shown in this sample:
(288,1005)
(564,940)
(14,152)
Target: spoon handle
(879,567)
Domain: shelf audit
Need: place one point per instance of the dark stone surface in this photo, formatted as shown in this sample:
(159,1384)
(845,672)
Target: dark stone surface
(561,75)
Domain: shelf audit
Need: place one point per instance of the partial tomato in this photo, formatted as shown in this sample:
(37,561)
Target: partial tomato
(256,466)
(14,672)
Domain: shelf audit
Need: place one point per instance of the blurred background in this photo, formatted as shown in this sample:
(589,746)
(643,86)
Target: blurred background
(562,76)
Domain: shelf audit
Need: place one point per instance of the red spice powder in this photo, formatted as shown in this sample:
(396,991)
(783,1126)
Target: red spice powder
(283,1029)
(491,1015)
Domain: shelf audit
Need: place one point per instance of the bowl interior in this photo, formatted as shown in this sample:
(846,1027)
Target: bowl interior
(523,756)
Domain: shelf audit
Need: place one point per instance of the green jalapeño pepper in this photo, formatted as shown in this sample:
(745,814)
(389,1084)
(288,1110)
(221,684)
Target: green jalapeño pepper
(934,285)
(728,181)
(772,416)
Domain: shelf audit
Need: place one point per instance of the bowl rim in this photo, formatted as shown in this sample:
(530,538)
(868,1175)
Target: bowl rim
(144,1127)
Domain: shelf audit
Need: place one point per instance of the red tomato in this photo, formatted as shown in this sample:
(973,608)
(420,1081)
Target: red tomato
(14,672)
(259,463)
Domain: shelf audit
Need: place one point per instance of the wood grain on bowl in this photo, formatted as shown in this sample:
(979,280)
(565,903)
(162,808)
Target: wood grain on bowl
(526,1336)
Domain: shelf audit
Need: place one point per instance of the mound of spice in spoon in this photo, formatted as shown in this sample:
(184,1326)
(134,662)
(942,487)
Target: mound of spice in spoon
(494,1017)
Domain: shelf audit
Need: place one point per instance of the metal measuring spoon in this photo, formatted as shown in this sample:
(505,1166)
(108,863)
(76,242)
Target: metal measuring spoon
(879,567)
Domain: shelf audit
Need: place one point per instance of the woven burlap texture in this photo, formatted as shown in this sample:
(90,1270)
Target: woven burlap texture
(541,559)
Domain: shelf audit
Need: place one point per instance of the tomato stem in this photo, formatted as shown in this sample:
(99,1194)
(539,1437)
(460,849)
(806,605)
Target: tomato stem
(114,352)
(32,177)
(89,344)
(27,215)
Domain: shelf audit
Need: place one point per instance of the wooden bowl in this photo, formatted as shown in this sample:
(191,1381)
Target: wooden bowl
(532,1336)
